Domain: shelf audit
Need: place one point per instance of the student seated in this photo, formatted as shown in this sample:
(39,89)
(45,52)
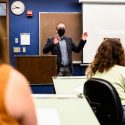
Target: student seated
(109,64)
(16,104)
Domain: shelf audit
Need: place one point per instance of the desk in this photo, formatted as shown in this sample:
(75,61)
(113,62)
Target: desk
(72,110)
(69,84)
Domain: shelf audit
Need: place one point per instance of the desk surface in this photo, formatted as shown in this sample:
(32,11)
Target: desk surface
(72,110)
(69,84)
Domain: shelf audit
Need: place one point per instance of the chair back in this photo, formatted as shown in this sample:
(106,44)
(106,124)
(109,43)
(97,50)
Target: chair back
(104,100)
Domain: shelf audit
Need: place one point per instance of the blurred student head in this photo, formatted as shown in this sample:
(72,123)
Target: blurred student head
(109,53)
(16,103)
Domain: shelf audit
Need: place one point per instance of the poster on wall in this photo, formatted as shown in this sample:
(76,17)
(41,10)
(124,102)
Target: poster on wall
(25,38)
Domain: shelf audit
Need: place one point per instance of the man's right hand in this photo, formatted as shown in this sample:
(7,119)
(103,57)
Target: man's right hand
(56,39)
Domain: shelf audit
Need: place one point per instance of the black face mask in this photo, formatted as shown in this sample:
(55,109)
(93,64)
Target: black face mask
(61,32)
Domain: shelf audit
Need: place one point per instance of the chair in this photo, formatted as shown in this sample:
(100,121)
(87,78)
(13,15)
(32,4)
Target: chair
(104,100)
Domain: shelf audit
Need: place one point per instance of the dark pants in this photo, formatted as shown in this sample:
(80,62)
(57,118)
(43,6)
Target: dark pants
(65,71)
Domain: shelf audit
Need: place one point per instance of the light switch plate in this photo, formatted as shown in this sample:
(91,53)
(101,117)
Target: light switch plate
(24,49)
(16,40)
(16,49)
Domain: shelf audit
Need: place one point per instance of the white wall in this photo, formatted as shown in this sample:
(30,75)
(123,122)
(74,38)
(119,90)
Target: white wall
(101,21)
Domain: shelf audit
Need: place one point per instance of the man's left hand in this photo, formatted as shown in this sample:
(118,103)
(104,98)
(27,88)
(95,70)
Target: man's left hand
(84,36)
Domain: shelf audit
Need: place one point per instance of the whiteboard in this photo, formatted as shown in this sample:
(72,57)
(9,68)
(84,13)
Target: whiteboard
(102,21)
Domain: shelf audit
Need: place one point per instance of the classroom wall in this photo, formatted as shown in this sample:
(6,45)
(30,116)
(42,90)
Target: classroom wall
(24,24)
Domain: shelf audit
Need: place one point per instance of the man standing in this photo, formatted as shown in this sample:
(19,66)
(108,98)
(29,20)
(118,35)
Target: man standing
(62,46)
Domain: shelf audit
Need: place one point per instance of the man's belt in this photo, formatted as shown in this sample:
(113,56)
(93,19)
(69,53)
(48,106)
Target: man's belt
(65,65)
